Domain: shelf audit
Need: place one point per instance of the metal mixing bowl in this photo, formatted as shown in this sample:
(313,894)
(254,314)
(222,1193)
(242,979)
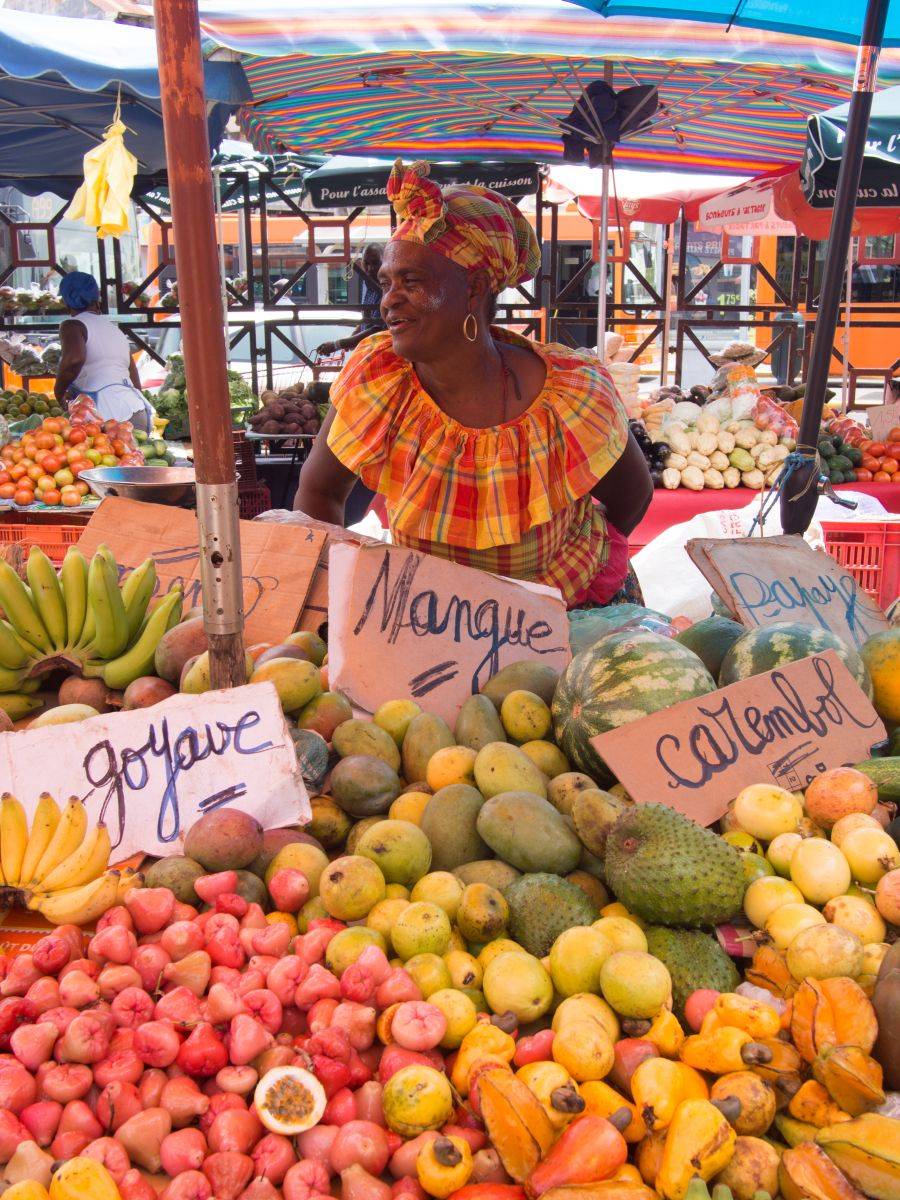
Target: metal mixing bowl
(160,485)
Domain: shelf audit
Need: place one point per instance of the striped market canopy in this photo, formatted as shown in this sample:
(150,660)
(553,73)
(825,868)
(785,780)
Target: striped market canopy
(495,80)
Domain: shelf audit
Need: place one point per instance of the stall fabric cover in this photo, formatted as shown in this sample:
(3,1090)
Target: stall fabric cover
(837,20)
(775,204)
(59,81)
(879,183)
(477,81)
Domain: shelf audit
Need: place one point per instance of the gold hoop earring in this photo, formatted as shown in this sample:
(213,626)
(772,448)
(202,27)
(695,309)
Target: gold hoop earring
(473,336)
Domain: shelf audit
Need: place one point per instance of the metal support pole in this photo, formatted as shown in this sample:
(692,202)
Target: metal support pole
(800,494)
(604,238)
(665,254)
(845,337)
(203,338)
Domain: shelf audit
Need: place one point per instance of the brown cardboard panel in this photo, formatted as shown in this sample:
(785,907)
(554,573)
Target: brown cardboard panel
(783,727)
(408,625)
(882,418)
(768,580)
(277,561)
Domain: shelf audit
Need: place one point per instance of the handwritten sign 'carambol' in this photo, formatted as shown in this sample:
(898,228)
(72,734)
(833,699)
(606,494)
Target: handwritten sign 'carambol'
(150,773)
(408,625)
(782,727)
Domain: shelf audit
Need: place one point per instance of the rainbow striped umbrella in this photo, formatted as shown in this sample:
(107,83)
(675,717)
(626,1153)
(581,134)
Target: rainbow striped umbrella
(438,78)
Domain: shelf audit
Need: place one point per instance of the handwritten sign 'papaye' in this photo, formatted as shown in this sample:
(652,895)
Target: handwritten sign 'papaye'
(277,561)
(150,773)
(769,580)
(783,727)
(408,625)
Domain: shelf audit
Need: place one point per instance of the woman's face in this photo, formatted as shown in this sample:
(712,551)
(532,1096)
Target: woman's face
(425,300)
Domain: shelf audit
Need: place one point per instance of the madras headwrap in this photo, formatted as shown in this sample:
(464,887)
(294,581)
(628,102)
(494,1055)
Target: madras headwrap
(471,225)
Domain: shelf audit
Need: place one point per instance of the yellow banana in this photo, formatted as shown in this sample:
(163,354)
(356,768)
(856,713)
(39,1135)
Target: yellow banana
(11,681)
(89,860)
(73,576)
(13,838)
(127,880)
(111,635)
(137,591)
(13,655)
(81,905)
(43,826)
(16,705)
(138,660)
(67,837)
(48,596)
(21,613)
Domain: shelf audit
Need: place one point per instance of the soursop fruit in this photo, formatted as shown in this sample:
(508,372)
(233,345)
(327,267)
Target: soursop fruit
(694,959)
(670,870)
(542,906)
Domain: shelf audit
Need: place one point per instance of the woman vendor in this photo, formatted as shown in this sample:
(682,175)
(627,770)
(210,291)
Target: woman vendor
(490,450)
(96,357)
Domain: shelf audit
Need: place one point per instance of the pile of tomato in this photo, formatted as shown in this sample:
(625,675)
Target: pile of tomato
(881,460)
(45,464)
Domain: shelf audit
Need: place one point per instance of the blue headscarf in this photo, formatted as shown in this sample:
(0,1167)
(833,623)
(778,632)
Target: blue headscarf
(79,290)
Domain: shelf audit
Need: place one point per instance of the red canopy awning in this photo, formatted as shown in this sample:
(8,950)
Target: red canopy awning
(775,203)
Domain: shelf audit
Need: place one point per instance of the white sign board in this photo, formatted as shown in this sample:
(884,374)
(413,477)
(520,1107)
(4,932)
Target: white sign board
(150,773)
(408,625)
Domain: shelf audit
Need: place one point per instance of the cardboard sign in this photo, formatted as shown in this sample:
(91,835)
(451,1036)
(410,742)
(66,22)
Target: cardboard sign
(277,561)
(783,727)
(408,625)
(882,419)
(769,580)
(151,772)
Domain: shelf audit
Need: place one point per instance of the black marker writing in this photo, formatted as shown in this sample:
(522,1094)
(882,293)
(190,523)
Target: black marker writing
(128,771)
(395,606)
(721,735)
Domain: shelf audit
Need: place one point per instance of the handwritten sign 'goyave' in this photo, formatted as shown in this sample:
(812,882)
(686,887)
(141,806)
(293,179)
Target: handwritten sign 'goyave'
(783,727)
(408,625)
(150,773)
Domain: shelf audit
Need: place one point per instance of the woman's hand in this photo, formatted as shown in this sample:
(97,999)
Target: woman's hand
(328,348)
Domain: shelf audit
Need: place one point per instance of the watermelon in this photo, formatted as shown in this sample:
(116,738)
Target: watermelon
(711,639)
(771,646)
(623,677)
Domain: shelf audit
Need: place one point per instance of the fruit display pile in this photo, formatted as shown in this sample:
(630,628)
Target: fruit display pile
(16,404)
(861,459)
(728,454)
(43,465)
(479,971)
(287,411)
(79,620)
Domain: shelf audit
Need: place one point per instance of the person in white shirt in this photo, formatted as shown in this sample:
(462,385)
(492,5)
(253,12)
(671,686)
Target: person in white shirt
(96,357)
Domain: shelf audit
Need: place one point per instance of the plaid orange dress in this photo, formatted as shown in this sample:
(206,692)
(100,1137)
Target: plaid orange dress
(514,498)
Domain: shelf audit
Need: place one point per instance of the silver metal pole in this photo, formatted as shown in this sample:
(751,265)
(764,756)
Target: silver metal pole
(845,336)
(602,265)
(665,258)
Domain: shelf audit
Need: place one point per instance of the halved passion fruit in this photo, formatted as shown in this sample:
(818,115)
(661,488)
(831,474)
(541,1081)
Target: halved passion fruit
(289,1100)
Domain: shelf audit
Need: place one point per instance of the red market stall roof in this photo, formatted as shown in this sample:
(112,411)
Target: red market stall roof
(775,204)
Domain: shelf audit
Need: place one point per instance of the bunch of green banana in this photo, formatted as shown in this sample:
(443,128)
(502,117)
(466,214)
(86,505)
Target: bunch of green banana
(59,866)
(80,618)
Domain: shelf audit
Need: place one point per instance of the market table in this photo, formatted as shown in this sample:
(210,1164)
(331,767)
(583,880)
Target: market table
(669,508)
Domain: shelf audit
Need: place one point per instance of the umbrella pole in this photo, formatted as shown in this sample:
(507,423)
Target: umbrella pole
(845,340)
(203,337)
(800,492)
(602,264)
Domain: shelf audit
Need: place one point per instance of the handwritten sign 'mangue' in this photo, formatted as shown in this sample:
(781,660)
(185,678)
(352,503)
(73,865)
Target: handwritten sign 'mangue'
(768,580)
(783,727)
(151,772)
(408,625)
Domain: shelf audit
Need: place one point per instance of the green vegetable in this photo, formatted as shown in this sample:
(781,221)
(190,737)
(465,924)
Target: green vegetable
(826,448)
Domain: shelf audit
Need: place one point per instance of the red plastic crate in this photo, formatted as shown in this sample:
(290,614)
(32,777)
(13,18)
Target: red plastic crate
(253,501)
(870,550)
(54,540)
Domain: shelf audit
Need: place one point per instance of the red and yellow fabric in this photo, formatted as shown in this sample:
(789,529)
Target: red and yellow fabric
(472,226)
(513,499)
